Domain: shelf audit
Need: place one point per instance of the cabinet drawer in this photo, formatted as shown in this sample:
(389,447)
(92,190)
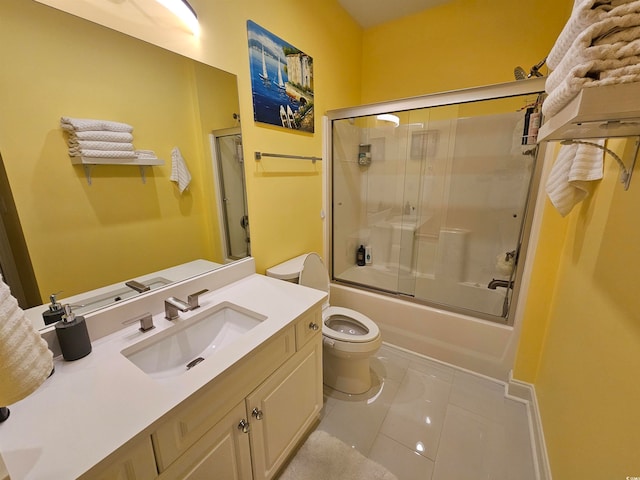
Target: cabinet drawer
(192,419)
(307,326)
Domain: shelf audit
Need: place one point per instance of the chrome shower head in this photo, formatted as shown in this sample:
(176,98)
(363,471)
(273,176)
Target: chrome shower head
(519,73)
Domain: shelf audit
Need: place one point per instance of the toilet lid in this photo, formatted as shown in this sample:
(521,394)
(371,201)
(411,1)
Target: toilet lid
(314,274)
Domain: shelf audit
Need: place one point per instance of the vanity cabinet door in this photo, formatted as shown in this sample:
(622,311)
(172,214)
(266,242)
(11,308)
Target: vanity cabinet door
(223,452)
(283,408)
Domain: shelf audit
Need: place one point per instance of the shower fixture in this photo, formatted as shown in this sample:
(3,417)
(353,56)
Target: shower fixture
(520,73)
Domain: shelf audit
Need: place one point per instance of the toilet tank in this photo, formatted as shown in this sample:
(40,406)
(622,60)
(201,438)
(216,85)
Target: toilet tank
(289,270)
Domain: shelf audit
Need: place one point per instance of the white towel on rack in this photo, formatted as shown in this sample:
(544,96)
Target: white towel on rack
(179,171)
(93,145)
(599,45)
(101,136)
(146,155)
(101,153)
(25,359)
(82,124)
(570,178)
(584,14)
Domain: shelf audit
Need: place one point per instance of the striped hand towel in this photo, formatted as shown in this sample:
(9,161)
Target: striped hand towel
(570,178)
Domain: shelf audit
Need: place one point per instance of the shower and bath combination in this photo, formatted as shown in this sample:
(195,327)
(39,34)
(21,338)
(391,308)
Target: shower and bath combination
(463,161)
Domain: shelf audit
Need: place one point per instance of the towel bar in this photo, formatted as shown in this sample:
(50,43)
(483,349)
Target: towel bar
(625,173)
(259,155)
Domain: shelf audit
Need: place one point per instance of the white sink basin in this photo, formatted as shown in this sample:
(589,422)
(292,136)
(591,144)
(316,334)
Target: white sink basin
(176,350)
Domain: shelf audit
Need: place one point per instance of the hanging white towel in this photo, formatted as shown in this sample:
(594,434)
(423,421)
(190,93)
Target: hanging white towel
(571,177)
(25,359)
(179,171)
(82,124)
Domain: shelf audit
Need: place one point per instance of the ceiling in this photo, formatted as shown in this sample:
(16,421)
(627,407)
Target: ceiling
(369,13)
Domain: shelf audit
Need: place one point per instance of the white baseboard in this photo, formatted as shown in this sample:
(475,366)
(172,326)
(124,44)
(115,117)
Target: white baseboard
(526,393)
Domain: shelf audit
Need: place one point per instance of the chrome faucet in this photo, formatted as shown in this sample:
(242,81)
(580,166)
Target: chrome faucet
(137,286)
(146,322)
(173,305)
(500,283)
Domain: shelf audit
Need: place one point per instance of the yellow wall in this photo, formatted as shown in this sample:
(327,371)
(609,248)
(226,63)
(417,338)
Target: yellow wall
(461,44)
(284,197)
(585,372)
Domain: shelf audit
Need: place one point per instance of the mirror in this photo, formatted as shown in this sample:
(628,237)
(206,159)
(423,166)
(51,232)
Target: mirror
(129,223)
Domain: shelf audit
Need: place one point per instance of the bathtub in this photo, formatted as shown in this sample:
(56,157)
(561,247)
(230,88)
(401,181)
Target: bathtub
(484,347)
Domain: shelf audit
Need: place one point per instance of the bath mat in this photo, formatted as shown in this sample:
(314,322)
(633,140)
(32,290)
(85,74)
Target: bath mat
(324,457)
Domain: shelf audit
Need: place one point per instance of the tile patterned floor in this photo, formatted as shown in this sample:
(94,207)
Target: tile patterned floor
(426,421)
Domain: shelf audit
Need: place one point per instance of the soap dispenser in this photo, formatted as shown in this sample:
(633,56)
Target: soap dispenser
(55,312)
(73,335)
(360,253)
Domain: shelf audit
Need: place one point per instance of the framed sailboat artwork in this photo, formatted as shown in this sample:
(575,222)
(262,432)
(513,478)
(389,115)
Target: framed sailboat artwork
(281,81)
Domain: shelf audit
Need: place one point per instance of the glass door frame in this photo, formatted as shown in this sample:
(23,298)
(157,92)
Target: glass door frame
(497,91)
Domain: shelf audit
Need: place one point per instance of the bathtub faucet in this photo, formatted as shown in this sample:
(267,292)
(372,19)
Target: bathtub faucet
(500,283)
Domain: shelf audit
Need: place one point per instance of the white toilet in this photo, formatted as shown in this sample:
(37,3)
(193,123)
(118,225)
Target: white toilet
(349,337)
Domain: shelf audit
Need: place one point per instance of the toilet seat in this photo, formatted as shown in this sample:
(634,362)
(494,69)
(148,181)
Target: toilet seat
(351,315)
(314,275)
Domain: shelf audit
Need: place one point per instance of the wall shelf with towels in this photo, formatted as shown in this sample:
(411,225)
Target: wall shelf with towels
(258,156)
(89,162)
(611,111)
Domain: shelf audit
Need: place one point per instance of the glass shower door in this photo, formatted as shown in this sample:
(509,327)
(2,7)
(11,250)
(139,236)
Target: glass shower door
(437,196)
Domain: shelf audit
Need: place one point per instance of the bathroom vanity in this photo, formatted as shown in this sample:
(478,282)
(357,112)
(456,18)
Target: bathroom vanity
(238,413)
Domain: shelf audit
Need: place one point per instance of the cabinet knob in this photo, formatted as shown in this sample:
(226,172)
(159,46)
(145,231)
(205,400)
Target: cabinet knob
(243,426)
(257,413)
(313,326)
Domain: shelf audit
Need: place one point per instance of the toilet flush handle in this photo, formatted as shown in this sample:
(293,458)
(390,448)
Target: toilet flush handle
(328,342)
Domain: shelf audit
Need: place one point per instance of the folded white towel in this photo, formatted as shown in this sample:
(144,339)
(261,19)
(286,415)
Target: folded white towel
(93,145)
(179,171)
(584,14)
(611,72)
(25,359)
(570,178)
(82,124)
(590,56)
(102,136)
(146,155)
(101,153)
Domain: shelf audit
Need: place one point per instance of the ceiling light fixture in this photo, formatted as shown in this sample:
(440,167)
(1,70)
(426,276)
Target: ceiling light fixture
(184,11)
(387,117)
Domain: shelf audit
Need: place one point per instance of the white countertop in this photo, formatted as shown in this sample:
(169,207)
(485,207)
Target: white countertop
(92,406)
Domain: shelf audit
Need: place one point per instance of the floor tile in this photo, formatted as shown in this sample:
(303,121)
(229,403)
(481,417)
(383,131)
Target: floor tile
(399,460)
(356,419)
(424,420)
(477,394)
(417,414)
